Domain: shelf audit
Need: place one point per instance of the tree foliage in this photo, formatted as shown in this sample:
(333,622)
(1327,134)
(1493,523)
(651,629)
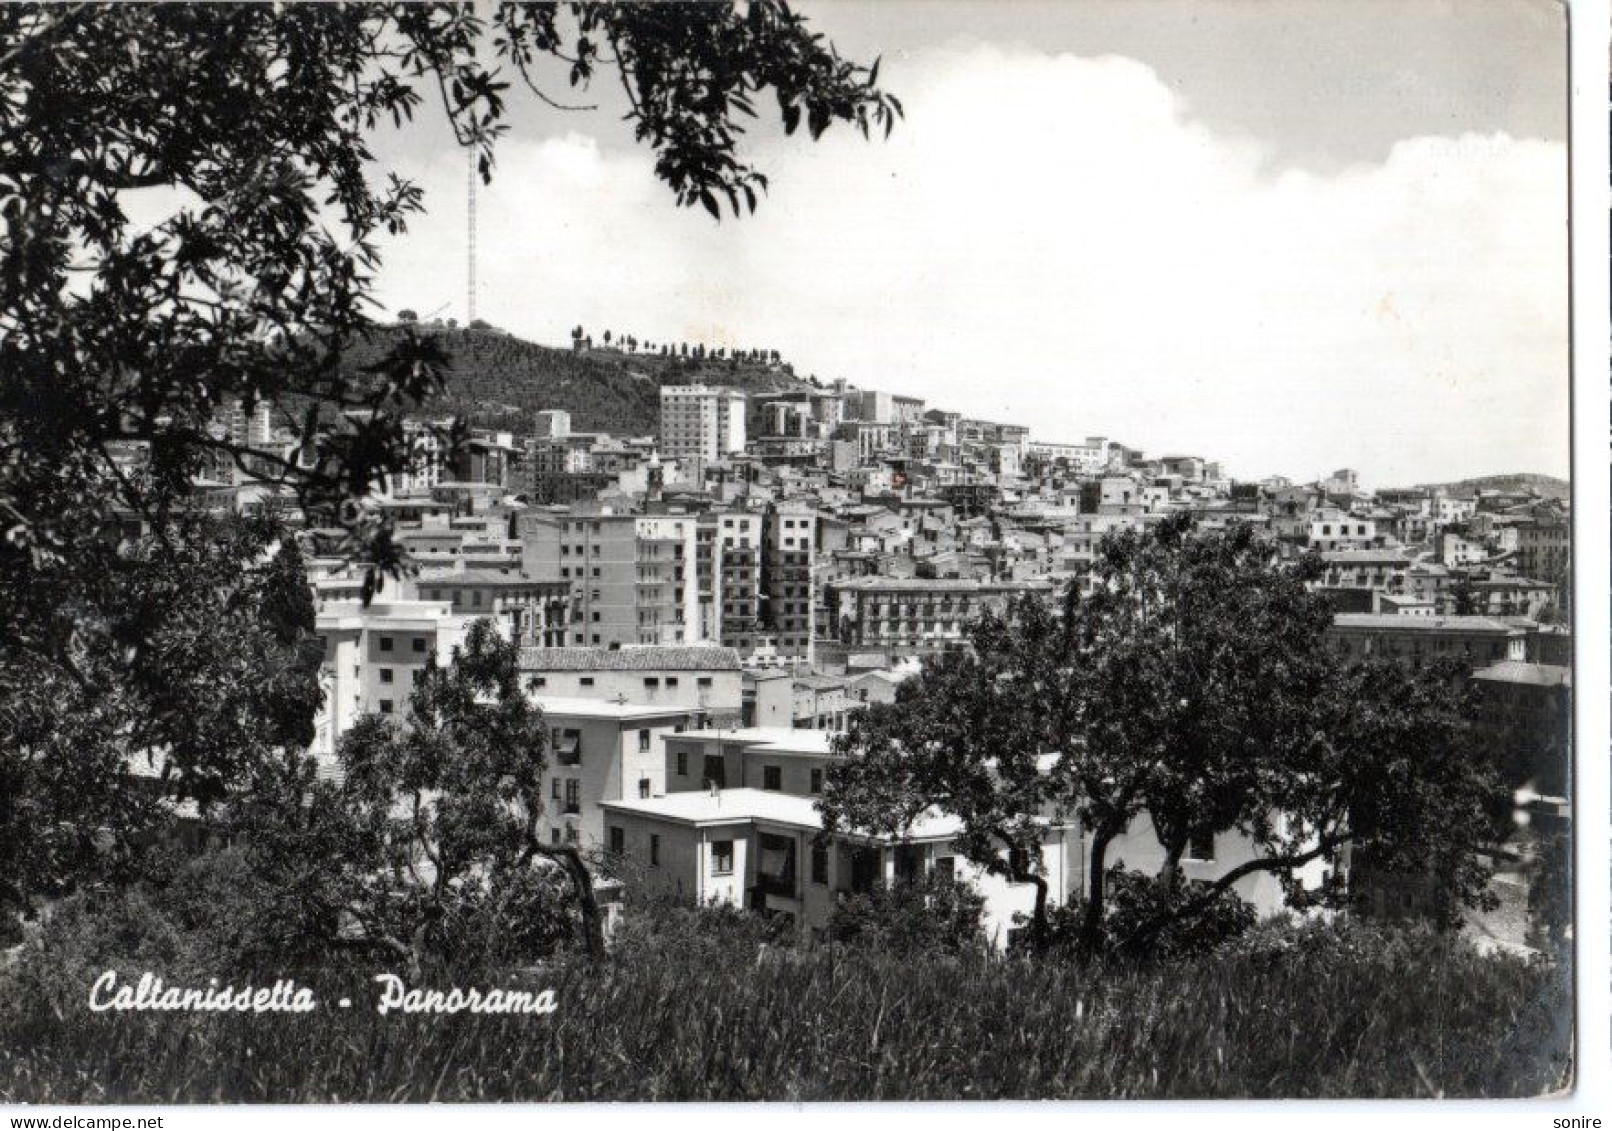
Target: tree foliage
(912,918)
(174,673)
(123,345)
(426,846)
(1191,689)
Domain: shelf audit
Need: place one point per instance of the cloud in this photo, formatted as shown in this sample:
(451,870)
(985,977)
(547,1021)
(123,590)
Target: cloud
(1052,240)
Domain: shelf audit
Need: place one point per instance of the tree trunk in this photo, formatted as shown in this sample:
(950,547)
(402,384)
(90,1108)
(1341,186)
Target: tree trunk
(1091,927)
(1038,922)
(582,882)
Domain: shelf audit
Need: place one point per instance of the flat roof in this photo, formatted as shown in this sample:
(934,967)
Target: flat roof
(631,658)
(783,740)
(577,707)
(1536,675)
(1424,624)
(725,806)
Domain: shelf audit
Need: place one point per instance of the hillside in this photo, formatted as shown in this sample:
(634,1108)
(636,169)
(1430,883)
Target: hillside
(1547,485)
(499,380)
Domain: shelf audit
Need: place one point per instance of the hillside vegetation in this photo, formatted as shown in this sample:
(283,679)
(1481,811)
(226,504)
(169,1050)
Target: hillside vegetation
(499,380)
(1547,485)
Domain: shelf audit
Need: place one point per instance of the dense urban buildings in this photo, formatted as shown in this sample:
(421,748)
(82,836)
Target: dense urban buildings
(700,612)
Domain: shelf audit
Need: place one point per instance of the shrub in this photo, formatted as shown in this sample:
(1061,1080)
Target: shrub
(929,916)
(1133,899)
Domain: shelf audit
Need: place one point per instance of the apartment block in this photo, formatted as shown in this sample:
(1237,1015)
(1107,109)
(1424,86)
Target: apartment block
(701,422)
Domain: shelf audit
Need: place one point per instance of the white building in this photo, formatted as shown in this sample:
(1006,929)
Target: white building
(372,656)
(701,422)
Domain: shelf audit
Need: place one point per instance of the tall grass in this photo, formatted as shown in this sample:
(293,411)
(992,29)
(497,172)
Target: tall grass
(684,1016)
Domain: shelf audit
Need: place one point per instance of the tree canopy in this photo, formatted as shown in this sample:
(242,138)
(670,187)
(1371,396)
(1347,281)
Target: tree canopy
(123,347)
(257,121)
(427,842)
(1190,686)
(184,668)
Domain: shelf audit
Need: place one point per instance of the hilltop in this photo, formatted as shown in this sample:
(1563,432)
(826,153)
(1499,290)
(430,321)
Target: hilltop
(1547,485)
(498,380)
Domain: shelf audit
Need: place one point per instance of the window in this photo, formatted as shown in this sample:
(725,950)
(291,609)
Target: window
(587,680)
(945,868)
(722,858)
(671,681)
(570,834)
(618,840)
(819,864)
(682,763)
(554,836)
(557,789)
(654,851)
(643,741)
(772,778)
(651,682)
(643,787)
(704,681)
(386,644)
(817,781)
(386,706)
(1201,846)
(386,675)
(539,681)
(573,795)
(418,644)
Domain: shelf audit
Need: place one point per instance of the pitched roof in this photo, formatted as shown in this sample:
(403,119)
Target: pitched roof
(639,658)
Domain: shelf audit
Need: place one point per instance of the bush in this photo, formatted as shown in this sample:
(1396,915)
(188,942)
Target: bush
(929,916)
(1132,899)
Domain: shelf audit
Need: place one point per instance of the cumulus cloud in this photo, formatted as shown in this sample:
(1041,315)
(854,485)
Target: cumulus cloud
(1053,240)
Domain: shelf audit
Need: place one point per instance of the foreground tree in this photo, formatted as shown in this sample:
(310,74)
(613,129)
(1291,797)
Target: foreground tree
(122,345)
(1192,686)
(186,667)
(428,845)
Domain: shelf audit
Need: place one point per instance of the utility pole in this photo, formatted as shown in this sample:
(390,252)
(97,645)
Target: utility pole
(470,305)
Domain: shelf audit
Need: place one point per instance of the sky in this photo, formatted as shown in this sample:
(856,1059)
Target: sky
(1291,235)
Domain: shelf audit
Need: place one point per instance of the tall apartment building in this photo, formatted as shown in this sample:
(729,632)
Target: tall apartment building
(701,422)
(373,654)
(552,424)
(728,558)
(789,560)
(632,577)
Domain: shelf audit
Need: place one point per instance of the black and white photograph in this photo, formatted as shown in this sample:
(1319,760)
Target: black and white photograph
(741,551)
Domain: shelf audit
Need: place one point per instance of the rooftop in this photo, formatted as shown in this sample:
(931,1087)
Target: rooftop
(572,707)
(640,658)
(725,806)
(1535,675)
(1424,624)
(782,740)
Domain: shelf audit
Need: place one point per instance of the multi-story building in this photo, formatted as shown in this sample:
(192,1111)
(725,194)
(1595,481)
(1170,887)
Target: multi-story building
(552,423)
(728,557)
(704,680)
(916,616)
(602,751)
(632,576)
(373,654)
(1544,549)
(701,422)
(530,611)
(1477,641)
(739,825)
(789,575)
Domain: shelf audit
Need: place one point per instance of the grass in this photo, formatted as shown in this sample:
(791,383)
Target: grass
(1336,1013)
